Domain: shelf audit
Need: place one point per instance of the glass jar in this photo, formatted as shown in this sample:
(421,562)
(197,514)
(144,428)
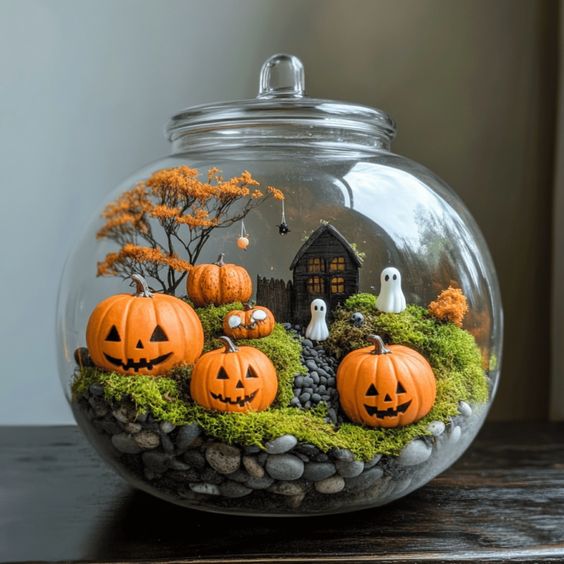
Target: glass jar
(343,349)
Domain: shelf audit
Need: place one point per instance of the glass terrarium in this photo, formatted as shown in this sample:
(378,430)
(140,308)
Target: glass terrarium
(282,317)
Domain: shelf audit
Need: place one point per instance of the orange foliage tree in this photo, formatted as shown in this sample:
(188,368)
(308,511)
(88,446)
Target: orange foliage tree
(451,305)
(162,224)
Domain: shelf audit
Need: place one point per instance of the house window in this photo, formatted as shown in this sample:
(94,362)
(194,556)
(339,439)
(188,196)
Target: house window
(337,264)
(337,285)
(315,285)
(315,264)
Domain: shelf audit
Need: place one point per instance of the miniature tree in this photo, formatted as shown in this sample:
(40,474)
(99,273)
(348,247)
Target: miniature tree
(163,223)
(451,305)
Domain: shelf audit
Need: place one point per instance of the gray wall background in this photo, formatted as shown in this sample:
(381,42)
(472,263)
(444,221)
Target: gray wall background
(85,88)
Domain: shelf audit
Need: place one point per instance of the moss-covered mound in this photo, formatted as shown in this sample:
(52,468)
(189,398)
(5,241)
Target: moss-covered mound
(451,351)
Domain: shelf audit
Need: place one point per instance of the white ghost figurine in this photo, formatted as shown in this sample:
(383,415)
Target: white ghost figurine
(391,298)
(317,329)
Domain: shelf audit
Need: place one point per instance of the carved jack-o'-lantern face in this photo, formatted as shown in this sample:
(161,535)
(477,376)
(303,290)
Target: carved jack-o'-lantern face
(234,379)
(385,387)
(252,323)
(144,333)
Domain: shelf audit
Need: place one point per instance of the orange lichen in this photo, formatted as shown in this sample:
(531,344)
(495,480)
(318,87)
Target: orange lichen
(174,212)
(451,305)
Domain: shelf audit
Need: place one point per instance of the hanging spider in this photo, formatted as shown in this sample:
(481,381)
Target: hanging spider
(283,228)
(243,240)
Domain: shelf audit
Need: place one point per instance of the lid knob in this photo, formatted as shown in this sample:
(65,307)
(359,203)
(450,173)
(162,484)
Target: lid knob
(282,75)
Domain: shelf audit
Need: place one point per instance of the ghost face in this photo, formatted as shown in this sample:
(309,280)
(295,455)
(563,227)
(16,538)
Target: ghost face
(317,329)
(391,298)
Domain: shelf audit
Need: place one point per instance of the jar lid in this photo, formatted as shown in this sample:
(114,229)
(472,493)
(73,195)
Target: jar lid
(282,100)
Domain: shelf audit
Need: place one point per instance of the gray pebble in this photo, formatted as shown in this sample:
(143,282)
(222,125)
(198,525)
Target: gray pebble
(414,453)
(311,364)
(122,414)
(186,435)
(307,343)
(166,427)
(96,389)
(252,449)
(436,428)
(331,485)
(99,405)
(125,443)
(299,381)
(178,465)
(195,459)
(240,476)
(316,471)
(281,444)
(316,398)
(331,381)
(233,489)
(254,469)
(342,454)
(307,449)
(372,462)
(307,404)
(364,480)
(315,377)
(147,440)
(166,443)
(132,428)
(211,476)
(261,458)
(349,469)
(156,461)
(259,483)
(464,409)
(287,488)
(284,467)
(295,401)
(305,397)
(455,435)
(205,488)
(223,458)
(308,381)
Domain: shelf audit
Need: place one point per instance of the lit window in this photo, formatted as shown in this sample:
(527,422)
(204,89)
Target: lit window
(315,265)
(337,285)
(315,285)
(337,264)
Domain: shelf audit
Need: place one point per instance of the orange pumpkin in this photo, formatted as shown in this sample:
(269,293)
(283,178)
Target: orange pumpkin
(219,283)
(234,379)
(254,322)
(383,386)
(144,333)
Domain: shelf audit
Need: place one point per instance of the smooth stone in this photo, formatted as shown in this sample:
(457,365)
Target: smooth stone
(317,471)
(122,415)
(295,402)
(238,476)
(349,469)
(179,465)
(126,443)
(205,488)
(287,488)
(259,483)
(99,405)
(414,453)
(308,381)
(233,489)
(281,444)
(372,462)
(308,390)
(307,404)
(156,461)
(211,476)
(110,427)
(299,381)
(304,398)
(307,343)
(252,449)
(96,389)
(331,485)
(464,409)
(295,501)
(436,428)
(167,427)
(331,381)
(342,454)
(195,459)
(365,480)
(307,449)
(455,435)
(186,435)
(284,467)
(261,458)
(316,398)
(251,465)
(166,443)
(312,365)
(132,428)
(147,440)
(223,458)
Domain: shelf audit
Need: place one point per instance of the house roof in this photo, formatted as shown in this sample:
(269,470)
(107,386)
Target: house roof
(327,227)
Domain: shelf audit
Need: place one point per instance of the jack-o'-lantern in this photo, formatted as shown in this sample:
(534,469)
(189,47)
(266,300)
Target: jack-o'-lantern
(143,333)
(383,386)
(255,322)
(234,379)
(219,283)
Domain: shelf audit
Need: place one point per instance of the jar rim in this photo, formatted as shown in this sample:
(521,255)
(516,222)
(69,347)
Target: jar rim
(282,101)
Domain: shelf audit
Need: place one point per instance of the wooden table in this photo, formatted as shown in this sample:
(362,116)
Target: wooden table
(503,501)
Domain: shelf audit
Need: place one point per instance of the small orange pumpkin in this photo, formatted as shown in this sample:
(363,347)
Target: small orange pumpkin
(234,379)
(219,283)
(383,386)
(255,322)
(143,333)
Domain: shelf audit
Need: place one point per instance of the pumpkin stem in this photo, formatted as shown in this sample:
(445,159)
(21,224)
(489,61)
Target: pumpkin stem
(229,344)
(141,286)
(248,306)
(220,261)
(379,346)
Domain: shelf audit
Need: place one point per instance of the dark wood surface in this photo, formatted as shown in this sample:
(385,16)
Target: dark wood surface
(504,500)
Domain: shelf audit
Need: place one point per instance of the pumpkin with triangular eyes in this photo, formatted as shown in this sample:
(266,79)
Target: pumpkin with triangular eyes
(383,386)
(255,322)
(144,333)
(234,379)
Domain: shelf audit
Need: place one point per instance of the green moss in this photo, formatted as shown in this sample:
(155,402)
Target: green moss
(451,351)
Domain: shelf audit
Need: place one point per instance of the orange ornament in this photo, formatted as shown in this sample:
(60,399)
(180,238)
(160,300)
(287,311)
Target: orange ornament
(234,379)
(143,333)
(383,386)
(243,243)
(219,283)
(255,322)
